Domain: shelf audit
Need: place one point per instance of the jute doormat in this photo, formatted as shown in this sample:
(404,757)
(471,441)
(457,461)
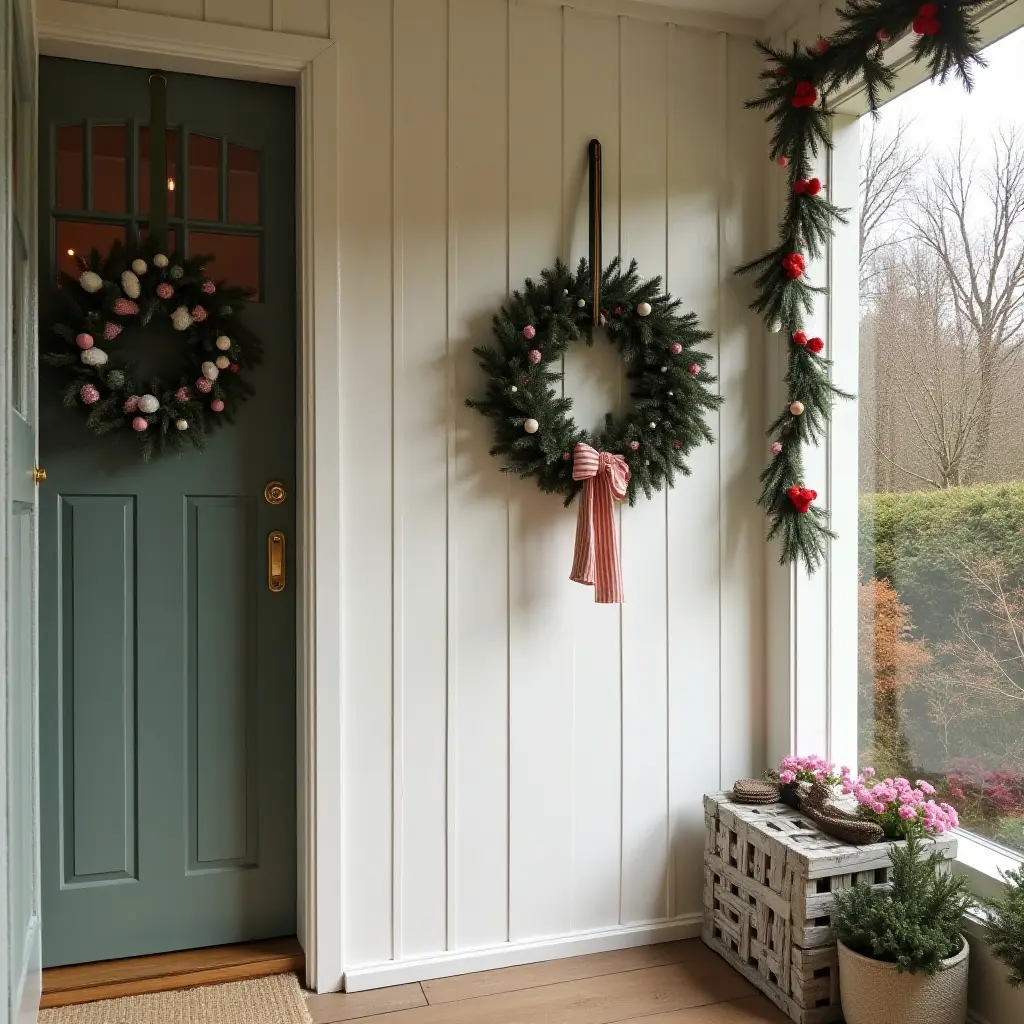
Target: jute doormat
(274,1000)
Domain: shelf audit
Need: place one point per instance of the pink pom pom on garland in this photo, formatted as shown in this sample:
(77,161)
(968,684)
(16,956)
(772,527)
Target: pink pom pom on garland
(534,356)
(84,341)
(88,394)
(111,331)
(125,307)
(675,348)
(234,367)
(164,290)
(217,405)
(139,424)
(783,161)
(198,314)
(131,403)
(207,287)
(635,445)
(204,386)
(529,332)
(776,448)
(694,368)
(181,395)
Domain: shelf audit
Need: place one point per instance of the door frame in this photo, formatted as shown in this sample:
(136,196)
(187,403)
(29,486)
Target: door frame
(111,36)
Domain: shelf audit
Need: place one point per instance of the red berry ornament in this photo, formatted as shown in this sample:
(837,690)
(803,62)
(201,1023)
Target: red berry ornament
(677,444)
(822,46)
(181,395)
(164,290)
(807,186)
(694,368)
(815,345)
(801,497)
(234,367)
(782,161)
(794,265)
(804,95)
(207,287)
(198,314)
(88,394)
(534,356)
(799,338)
(125,307)
(927,21)
(675,348)
(204,386)
(529,332)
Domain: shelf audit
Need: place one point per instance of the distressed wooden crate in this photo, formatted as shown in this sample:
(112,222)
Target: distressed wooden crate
(769,875)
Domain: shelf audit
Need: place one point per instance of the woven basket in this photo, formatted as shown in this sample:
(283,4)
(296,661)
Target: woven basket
(874,992)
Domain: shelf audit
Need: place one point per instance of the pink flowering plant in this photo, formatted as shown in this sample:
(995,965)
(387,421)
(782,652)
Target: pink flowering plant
(810,768)
(900,808)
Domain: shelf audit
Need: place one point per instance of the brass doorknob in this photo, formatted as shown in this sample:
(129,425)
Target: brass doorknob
(39,475)
(275,492)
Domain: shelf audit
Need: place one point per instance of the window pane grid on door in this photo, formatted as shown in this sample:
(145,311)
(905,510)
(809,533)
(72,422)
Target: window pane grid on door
(214,195)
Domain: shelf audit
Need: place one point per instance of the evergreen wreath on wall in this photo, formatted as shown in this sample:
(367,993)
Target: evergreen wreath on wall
(799,84)
(670,386)
(91,353)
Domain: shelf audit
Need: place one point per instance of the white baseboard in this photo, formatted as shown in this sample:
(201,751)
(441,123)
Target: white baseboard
(512,954)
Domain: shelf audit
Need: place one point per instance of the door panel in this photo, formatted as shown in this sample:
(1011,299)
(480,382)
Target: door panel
(168,667)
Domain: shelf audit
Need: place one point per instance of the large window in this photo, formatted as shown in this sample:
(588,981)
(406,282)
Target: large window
(941,545)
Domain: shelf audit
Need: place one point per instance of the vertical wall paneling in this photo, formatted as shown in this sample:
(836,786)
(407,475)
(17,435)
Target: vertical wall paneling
(696,66)
(365,224)
(478,511)
(742,448)
(590,109)
(541,530)
(643,191)
(420,461)
(246,13)
(97,685)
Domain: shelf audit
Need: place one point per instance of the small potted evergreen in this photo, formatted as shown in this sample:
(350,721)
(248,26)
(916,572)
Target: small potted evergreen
(902,956)
(1006,925)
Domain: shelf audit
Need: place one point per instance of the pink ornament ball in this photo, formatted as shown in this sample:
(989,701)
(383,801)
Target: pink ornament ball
(207,287)
(204,386)
(139,424)
(822,46)
(783,161)
(164,290)
(131,403)
(111,331)
(181,395)
(635,445)
(88,394)
(776,448)
(84,341)
(694,368)
(198,314)
(125,307)
(675,348)
(534,356)
(529,332)
(217,405)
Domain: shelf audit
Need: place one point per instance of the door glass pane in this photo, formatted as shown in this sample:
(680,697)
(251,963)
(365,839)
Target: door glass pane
(110,168)
(203,177)
(69,172)
(75,237)
(243,185)
(19,283)
(236,258)
(173,150)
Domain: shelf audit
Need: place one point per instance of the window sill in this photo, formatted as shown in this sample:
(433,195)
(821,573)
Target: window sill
(982,864)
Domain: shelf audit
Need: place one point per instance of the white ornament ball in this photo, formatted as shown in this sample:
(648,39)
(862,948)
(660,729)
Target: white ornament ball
(91,282)
(94,357)
(148,404)
(181,319)
(222,362)
(776,326)
(223,342)
(644,309)
(671,394)
(653,426)
(181,424)
(139,266)
(531,426)
(581,303)
(797,408)
(210,371)
(664,369)
(130,284)
(565,291)
(647,462)
(513,389)
(160,260)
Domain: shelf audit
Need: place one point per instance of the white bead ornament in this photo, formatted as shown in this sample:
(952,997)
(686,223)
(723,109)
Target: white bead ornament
(139,266)
(664,369)
(581,303)
(223,342)
(222,362)
(94,357)
(513,389)
(160,260)
(91,282)
(644,309)
(531,426)
(181,319)
(210,371)
(130,284)
(148,404)
(653,426)
(181,424)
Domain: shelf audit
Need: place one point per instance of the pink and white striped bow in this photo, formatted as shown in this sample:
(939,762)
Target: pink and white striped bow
(596,559)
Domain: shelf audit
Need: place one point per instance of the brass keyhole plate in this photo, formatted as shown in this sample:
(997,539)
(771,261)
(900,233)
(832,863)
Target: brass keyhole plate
(275,492)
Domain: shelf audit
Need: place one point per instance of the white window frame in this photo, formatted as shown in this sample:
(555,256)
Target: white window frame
(812,620)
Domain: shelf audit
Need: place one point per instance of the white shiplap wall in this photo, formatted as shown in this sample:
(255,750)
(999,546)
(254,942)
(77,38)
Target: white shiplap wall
(522,765)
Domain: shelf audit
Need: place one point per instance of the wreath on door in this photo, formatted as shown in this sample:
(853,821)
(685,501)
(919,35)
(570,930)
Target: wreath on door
(92,341)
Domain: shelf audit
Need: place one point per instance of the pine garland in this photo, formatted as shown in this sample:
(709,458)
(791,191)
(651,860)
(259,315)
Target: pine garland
(799,83)
(670,384)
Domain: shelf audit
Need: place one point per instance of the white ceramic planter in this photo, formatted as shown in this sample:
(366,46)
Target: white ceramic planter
(874,992)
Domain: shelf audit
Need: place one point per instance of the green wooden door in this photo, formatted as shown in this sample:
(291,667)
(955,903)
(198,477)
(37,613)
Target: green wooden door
(167,665)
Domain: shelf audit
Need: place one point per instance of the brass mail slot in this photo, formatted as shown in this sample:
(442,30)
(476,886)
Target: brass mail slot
(275,562)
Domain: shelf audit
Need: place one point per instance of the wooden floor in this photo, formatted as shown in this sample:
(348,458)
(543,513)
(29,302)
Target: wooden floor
(673,983)
(108,979)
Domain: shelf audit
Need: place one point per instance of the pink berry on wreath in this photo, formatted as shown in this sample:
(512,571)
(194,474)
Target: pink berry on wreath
(89,394)
(84,340)
(139,424)
(217,405)
(822,46)
(677,444)
(566,456)
(783,161)
(181,395)
(234,367)
(776,448)
(694,368)
(635,445)
(203,385)
(534,356)
(207,287)
(111,331)
(529,332)
(198,314)
(125,307)
(675,348)
(164,290)
(131,403)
